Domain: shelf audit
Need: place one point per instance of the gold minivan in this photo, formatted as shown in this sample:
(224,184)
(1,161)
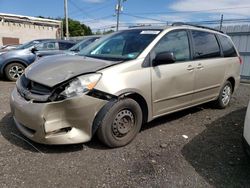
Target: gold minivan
(122,81)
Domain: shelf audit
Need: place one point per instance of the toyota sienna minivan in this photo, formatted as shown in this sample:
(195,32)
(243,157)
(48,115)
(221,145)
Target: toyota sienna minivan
(122,81)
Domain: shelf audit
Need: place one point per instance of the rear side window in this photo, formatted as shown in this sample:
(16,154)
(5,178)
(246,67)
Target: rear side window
(65,45)
(205,45)
(227,47)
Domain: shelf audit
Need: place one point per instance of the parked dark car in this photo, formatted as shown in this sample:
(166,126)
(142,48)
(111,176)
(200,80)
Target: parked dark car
(13,63)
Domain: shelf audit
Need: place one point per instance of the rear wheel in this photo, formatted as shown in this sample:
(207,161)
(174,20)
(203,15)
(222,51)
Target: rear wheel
(13,71)
(121,123)
(225,95)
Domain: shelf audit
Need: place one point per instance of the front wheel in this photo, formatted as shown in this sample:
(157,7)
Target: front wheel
(13,71)
(121,123)
(224,96)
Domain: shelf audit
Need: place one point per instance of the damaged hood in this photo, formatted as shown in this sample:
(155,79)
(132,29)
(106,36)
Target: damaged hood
(53,70)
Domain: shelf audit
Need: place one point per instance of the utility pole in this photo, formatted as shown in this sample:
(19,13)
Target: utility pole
(66,18)
(118,11)
(221,21)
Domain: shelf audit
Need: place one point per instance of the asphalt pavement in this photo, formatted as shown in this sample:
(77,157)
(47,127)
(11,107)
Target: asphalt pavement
(198,147)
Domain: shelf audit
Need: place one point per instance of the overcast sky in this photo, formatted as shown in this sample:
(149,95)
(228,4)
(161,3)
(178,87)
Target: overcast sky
(100,13)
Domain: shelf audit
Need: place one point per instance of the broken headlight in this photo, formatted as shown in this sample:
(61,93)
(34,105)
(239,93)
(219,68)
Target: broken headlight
(80,85)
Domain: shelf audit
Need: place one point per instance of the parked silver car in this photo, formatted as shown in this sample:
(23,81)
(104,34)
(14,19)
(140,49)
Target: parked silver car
(122,81)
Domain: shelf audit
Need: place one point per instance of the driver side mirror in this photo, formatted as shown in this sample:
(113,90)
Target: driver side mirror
(33,49)
(164,58)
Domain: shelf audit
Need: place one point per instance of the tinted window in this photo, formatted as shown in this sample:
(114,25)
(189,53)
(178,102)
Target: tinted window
(176,42)
(65,45)
(227,47)
(46,46)
(205,45)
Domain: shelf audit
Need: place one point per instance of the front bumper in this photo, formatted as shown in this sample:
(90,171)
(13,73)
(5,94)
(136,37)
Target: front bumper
(64,122)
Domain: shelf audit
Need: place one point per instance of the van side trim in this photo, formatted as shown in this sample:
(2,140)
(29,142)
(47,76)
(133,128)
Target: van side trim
(188,93)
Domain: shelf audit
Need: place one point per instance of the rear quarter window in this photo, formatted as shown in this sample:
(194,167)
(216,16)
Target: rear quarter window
(205,45)
(227,46)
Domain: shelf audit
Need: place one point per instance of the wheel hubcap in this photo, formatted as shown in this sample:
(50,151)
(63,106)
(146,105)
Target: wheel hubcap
(226,95)
(123,123)
(16,71)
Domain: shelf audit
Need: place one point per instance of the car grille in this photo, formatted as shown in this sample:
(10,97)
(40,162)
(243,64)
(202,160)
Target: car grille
(34,91)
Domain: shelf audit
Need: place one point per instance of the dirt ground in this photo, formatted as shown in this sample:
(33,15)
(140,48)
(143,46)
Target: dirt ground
(198,147)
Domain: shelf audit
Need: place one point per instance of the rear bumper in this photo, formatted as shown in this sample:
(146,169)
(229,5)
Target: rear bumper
(64,122)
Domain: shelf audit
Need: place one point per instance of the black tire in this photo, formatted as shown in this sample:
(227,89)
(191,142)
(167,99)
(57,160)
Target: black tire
(224,96)
(121,123)
(13,71)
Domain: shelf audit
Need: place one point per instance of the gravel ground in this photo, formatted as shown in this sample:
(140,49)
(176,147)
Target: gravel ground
(210,155)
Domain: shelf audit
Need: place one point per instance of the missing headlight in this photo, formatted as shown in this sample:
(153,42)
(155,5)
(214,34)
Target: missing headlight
(101,95)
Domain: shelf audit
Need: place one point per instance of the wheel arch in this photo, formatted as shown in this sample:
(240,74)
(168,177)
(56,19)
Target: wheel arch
(132,95)
(24,63)
(232,81)
(141,101)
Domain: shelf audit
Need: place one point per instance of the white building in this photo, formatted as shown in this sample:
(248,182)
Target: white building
(18,29)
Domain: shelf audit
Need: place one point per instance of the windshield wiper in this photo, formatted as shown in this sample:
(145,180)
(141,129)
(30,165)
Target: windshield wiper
(109,58)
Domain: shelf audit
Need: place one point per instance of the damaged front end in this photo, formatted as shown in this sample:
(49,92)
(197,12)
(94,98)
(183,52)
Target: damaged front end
(63,114)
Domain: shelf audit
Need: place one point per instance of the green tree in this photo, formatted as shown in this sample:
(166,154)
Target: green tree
(108,32)
(76,28)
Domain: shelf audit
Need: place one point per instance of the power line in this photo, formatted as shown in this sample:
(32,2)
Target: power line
(79,8)
(102,7)
(191,11)
(142,17)
(91,9)
(98,19)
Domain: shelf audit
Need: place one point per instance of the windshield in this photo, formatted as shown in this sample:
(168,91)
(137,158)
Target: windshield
(27,45)
(123,45)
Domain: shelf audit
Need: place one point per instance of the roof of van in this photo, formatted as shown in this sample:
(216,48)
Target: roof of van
(180,25)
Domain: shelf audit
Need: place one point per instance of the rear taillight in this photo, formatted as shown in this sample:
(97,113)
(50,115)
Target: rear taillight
(241,61)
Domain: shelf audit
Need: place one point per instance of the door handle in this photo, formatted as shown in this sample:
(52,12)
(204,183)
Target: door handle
(190,68)
(200,66)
